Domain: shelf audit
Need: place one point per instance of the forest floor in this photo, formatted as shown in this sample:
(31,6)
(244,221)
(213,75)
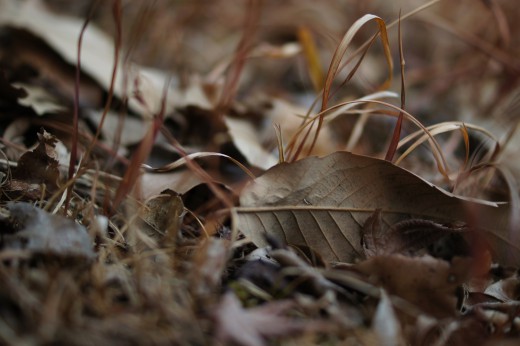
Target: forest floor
(259,172)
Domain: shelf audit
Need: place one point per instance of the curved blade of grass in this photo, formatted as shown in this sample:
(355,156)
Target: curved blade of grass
(438,129)
(279,141)
(342,48)
(449,125)
(133,171)
(197,169)
(436,150)
(356,66)
(359,126)
(389,26)
(330,115)
(183,161)
(338,56)
(343,108)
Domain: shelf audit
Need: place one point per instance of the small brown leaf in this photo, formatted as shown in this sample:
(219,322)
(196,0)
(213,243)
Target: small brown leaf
(163,214)
(36,168)
(41,164)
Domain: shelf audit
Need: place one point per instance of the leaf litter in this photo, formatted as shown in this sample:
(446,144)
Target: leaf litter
(224,183)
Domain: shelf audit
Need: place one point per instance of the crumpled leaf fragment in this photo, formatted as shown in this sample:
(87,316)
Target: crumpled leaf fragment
(386,323)
(209,264)
(505,290)
(252,327)
(36,169)
(25,226)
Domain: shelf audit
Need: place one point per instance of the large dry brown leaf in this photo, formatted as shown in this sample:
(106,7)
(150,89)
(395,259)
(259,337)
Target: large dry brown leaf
(324,202)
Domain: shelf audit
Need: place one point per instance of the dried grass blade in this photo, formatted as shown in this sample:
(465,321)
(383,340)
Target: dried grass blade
(342,48)
(239,60)
(333,112)
(465,137)
(438,129)
(279,141)
(397,130)
(134,169)
(436,150)
(142,153)
(389,26)
(501,20)
(338,56)
(305,121)
(183,161)
(197,169)
(349,77)
(329,115)
(75,119)
(312,57)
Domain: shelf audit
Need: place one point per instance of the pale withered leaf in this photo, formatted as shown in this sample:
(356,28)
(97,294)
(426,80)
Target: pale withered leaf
(25,226)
